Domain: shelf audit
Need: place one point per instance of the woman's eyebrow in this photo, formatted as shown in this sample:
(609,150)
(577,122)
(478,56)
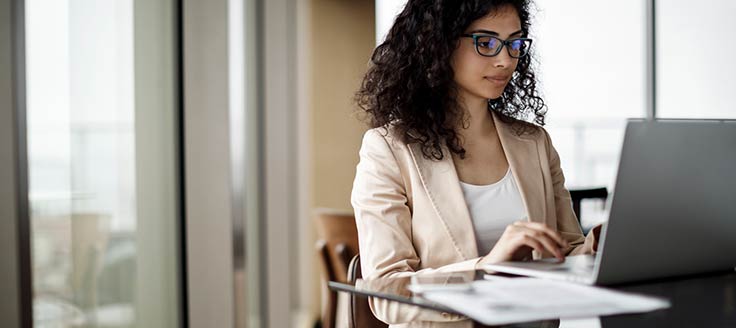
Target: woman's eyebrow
(489,32)
(519,32)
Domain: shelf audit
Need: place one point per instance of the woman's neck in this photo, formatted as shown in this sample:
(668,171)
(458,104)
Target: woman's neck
(478,121)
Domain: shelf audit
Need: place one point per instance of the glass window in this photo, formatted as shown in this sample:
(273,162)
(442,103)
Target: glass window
(695,66)
(102,162)
(592,57)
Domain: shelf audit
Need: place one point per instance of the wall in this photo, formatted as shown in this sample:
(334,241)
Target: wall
(343,36)
(339,40)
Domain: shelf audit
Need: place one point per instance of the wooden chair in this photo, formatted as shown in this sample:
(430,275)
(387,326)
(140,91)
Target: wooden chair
(339,255)
(336,245)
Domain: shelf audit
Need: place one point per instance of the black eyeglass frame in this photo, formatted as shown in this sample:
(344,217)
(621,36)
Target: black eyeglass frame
(504,43)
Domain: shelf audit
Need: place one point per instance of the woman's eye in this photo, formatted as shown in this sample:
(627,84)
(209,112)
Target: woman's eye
(487,43)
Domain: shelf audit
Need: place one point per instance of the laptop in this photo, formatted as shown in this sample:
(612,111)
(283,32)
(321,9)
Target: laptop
(673,212)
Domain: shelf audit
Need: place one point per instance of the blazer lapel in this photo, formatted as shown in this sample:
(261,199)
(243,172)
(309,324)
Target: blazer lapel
(442,185)
(523,157)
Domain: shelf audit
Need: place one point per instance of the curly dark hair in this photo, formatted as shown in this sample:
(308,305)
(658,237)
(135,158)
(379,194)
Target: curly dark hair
(410,86)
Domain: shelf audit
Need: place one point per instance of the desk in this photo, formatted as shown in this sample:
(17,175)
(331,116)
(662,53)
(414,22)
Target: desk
(707,300)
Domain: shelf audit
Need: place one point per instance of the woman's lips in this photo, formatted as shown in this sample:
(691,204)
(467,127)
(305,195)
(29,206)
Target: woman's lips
(498,80)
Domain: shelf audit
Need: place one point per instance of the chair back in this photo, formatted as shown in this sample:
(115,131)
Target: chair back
(337,243)
(577,196)
(339,234)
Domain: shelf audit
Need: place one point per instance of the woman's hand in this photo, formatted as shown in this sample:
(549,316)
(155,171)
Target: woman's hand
(596,231)
(520,238)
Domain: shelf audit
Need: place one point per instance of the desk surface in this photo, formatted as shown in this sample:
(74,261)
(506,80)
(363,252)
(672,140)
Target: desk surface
(707,300)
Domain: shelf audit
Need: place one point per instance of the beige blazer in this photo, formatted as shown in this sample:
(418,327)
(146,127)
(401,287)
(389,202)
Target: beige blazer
(412,217)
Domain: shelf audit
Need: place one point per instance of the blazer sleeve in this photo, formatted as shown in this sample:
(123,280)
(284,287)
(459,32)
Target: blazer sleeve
(567,222)
(383,218)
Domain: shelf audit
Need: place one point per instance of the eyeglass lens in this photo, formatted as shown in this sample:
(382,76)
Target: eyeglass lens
(491,46)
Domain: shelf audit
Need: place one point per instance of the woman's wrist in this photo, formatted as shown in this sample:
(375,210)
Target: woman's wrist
(489,258)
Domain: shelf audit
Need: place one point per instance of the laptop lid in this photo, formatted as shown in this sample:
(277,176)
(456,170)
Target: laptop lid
(674,207)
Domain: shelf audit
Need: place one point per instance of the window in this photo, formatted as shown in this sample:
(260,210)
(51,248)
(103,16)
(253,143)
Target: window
(102,162)
(592,58)
(695,68)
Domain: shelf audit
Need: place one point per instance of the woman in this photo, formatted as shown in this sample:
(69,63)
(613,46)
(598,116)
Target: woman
(452,176)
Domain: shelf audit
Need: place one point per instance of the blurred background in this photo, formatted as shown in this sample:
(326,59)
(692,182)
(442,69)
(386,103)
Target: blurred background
(171,163)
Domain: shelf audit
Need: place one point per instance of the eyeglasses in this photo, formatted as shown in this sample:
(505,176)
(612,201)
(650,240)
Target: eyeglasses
(489,46)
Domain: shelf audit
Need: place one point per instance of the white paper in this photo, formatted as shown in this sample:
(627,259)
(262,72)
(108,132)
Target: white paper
(515,300)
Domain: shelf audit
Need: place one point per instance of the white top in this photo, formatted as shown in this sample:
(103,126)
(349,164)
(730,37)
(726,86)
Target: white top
(492,208)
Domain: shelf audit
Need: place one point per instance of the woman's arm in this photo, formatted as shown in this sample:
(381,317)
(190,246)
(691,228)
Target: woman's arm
(383,220)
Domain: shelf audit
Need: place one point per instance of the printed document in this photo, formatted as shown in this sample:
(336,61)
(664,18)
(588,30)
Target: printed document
(505,301)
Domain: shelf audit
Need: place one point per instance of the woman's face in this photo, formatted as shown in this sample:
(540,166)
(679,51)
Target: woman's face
(481,78)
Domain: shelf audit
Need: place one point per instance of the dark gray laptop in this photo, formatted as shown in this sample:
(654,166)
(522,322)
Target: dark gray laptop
(673,210)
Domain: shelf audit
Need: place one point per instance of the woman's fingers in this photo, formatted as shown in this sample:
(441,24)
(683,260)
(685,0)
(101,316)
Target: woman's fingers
(533,235)
(551,245)
(548,231)
(533,243)
(540,238)
(554,235)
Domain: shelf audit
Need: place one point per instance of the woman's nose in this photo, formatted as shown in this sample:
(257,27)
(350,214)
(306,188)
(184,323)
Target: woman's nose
(503,59)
